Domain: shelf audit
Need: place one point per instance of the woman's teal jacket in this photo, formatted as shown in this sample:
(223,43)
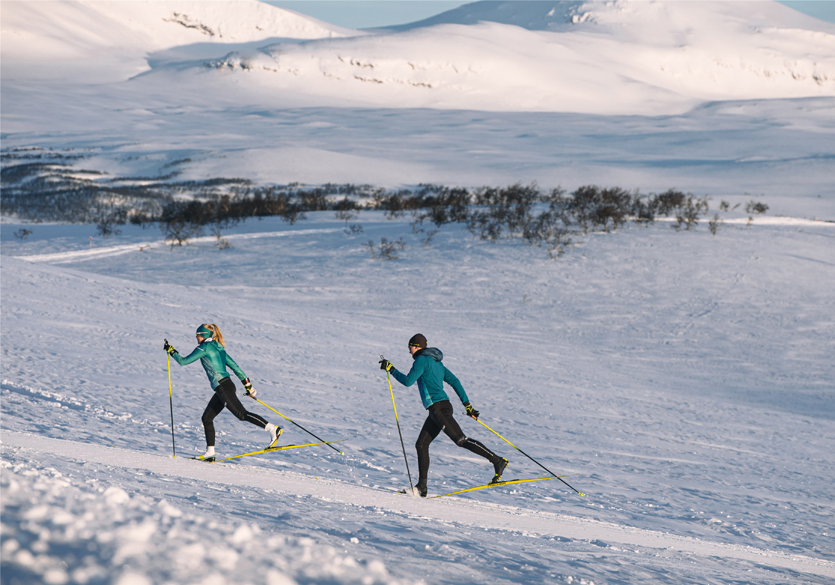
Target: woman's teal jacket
(430,375)
(214,359)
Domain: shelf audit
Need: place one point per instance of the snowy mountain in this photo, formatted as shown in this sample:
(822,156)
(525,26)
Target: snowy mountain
(79,37)
(562,15)
(610,58)
(613,58)
(699,95)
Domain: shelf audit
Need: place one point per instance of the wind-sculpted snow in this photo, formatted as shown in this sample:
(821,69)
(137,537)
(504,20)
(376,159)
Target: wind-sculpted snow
(57,529)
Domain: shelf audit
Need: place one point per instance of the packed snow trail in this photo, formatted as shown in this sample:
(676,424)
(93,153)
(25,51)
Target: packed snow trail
(488,516)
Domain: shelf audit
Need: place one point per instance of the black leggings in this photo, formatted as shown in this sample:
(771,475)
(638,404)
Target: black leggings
(440,419)
(225,396)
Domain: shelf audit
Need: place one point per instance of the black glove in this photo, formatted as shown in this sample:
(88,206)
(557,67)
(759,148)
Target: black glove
(169,348)
(248,387)
(470,411)
(386,365)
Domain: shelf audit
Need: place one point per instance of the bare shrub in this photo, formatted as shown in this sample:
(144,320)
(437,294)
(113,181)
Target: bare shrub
(755,207)
(22,233)
(427,237)
(689,213)
(550,231)
(714,223)
(386,250)
(108,220)
(221,243)
(596,207)
(669,201)
(178,232)
(346,215)
(501,211)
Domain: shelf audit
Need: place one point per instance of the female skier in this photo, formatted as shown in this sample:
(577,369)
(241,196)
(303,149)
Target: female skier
(211,351)
(430,375)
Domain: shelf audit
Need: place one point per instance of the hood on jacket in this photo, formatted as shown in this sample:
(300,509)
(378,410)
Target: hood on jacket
(432,352)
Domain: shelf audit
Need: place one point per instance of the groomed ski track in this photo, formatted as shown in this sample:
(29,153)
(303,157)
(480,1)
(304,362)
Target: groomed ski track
(450,510)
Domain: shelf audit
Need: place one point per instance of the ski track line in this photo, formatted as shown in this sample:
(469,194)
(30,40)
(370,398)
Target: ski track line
(488,516)
(93,253)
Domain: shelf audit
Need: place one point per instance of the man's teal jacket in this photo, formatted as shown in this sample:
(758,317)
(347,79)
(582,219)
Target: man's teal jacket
(214,359)
(430,375)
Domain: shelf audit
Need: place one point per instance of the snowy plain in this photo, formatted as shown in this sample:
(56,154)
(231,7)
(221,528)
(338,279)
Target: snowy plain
(685,379)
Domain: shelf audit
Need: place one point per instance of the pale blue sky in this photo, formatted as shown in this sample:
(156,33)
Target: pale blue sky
(373,13)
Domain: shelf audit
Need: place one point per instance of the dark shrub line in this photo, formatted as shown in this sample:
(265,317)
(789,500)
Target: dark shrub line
(53,191)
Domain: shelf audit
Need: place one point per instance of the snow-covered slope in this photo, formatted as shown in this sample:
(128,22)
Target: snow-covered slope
(617,57)
(77,38)
(562,15)
(685,378)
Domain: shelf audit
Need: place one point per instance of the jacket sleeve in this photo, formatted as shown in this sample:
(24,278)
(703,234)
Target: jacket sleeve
(413,375)
(198,353)
(235,368)
(450,379)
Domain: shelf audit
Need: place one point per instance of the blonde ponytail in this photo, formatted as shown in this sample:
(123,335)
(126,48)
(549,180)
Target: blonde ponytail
(216,334)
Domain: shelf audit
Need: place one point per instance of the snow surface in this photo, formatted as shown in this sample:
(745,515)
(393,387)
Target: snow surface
(109,41)
(721,98)
(685,379)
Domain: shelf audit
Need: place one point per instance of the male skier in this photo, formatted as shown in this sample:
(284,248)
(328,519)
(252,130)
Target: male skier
(430,375)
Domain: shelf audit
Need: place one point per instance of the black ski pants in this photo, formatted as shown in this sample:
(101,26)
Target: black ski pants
(225,396)
(440,419)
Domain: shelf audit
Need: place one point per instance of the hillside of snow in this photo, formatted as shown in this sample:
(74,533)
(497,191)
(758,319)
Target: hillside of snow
(613,58)
(110,41)
(684,378)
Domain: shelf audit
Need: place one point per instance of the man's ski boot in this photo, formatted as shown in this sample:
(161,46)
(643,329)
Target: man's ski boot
(208,456)
(275,433)
(421,489)
(499,466)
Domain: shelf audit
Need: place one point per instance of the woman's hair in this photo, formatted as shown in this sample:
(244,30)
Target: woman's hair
(216,334)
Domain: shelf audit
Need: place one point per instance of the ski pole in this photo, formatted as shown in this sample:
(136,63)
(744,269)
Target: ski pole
(171,404)
(301,427)
(402,446)
(528,456)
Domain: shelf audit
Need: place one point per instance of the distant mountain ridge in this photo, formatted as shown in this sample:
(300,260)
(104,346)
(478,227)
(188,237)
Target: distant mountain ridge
(633,57)
(620,57)
(528,14)
(561,15)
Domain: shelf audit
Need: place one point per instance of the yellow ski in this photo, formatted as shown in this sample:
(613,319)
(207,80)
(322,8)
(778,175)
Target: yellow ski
(500,483)
(271,450)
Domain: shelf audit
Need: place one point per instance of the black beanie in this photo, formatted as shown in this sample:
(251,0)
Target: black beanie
(418,340)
